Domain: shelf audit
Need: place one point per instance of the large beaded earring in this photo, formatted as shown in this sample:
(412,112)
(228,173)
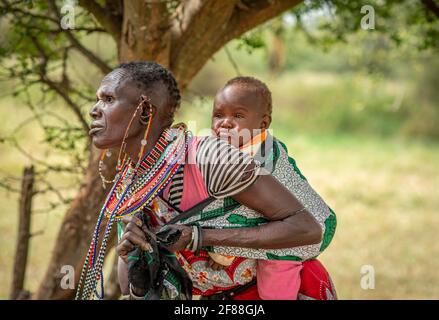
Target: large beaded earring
(120,164)
(146,118)
(123,145)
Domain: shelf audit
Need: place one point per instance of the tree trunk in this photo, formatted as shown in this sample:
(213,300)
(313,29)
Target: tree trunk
(75,233)
(23,235)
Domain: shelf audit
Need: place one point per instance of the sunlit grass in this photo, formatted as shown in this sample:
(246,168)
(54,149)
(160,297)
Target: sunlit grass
(386,196)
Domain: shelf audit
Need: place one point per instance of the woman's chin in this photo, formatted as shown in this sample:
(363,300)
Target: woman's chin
(102,144)
(98,143)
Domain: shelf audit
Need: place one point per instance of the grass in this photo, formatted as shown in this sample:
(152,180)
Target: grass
(385,194)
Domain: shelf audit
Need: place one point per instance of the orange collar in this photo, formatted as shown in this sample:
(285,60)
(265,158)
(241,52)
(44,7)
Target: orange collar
(254,144)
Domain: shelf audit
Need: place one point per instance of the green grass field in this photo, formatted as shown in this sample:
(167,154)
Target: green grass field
(385,194)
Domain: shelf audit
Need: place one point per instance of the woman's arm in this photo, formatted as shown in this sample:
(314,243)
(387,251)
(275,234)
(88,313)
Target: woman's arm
(286,228)
(291,225)
(122,275)
(240,177)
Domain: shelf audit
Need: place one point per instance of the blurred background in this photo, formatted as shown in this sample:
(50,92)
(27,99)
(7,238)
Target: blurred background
(359,115)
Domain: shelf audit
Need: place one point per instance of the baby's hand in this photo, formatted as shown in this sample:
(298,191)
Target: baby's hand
(214,265)
(218,261)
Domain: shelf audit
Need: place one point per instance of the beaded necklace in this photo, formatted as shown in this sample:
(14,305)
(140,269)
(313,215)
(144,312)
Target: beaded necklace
(134,188)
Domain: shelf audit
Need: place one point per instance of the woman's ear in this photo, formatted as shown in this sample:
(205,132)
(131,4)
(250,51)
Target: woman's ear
(266,121)
(148,110)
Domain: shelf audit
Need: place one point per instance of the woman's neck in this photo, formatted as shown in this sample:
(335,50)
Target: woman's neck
(134,144)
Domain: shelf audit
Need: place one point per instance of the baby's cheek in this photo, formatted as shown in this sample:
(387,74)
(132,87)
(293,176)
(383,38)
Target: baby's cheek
(214,126)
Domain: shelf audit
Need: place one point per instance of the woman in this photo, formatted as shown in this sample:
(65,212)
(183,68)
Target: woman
(123,118)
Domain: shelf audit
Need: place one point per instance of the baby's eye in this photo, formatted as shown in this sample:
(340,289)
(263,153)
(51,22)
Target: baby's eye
(217,115)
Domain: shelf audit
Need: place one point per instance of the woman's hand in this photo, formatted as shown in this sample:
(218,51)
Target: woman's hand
(133,236)
(183,240)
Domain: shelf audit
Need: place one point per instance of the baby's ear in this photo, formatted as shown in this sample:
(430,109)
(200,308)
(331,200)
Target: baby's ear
(266,121)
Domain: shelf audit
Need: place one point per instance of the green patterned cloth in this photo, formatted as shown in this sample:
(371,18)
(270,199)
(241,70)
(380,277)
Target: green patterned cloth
(227,213)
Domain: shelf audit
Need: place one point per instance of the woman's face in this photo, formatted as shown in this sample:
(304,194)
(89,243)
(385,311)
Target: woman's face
(237,115)
(116,101)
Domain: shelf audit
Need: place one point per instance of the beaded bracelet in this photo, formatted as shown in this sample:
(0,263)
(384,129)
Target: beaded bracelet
(195,243)
(133,296)
(189,245)
(200,240)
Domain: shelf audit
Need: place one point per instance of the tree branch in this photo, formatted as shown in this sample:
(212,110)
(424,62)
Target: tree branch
(257,12)
(73,106)
(75,43)
(204,27)
(145,32)
(54,168)
(110,20)
(232,61)
(195,28)
(88,54)
(194,14)
(55,87)
(432,6)
(24,13)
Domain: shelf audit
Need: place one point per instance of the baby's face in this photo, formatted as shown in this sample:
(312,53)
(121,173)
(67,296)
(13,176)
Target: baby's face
(238,115)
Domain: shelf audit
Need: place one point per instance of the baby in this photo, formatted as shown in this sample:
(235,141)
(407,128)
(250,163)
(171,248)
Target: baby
(241,114)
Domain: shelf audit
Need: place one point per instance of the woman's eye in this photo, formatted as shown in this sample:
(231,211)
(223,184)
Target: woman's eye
(217,115)
(239,115)
(109,99)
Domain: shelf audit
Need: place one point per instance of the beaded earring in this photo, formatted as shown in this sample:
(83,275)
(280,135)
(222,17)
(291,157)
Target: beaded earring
(148,119)
(120,164)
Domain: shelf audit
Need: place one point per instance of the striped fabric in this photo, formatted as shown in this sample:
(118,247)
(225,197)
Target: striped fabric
(226,171)
(176,188)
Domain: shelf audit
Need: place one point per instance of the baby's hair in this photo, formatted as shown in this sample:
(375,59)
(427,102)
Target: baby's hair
(256,85)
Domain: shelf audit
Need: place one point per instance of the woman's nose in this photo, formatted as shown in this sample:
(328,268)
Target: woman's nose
(96,112)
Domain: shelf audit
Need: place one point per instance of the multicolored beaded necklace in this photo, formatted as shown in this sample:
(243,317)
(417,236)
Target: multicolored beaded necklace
(135,188)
